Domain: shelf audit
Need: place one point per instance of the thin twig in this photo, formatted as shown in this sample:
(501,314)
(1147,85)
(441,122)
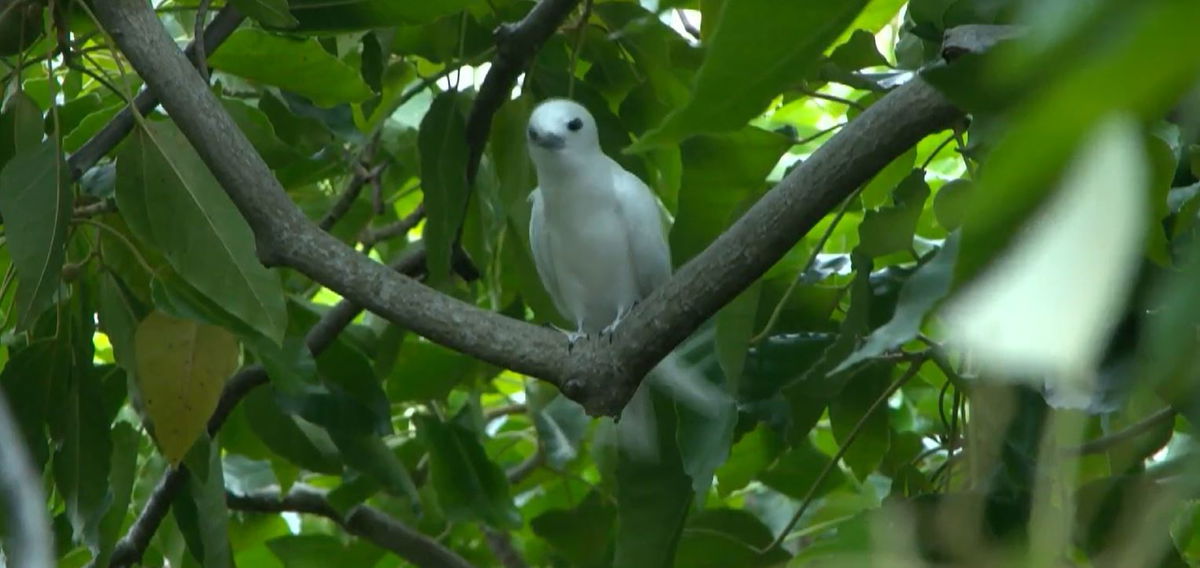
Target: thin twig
(371,237)
(580,35)
(200,54)
(361,520)
(1105,443)
(833,99)
(346,199)
(832,463)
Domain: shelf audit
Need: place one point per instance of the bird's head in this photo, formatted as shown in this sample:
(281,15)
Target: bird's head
(560,126)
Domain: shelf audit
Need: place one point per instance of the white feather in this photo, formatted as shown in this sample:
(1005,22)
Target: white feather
(595,229)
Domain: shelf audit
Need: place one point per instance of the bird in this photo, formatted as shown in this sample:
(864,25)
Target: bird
(596,231)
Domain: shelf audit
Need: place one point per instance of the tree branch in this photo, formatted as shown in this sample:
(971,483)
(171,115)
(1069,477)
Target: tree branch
(361,520)
(516,44)
(599,375)
(130,548)
(227,20)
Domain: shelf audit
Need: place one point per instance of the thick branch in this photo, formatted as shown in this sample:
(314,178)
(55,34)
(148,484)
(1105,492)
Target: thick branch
(130,548)
(600,376)
(227,20)
(515,46)
(361,520)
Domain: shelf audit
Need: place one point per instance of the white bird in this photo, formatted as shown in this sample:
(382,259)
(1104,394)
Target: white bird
(596,230)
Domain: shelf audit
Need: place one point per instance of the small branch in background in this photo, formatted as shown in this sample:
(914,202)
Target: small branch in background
(363,521)
(502,548)
(687,24)
(833,99)
(346,199)
(30,542)
(1105,443)
(370,237)
(497,412)
(519,472)
(200,53)
(580,35)
(227,20)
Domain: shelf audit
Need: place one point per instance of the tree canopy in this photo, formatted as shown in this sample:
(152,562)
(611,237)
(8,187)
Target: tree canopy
(267,297)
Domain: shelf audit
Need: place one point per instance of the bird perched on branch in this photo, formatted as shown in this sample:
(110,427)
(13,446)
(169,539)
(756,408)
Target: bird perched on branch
(596,230)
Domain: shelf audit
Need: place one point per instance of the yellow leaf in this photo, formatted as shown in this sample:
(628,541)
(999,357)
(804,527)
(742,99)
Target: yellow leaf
(181,367)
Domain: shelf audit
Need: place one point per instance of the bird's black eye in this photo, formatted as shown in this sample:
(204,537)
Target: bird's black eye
(533,134)
(575,125)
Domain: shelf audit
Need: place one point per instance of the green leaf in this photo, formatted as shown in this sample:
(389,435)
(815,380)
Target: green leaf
(921,292)
(270,13)
(1062,109)
(734,328)
(301,66)
(891,229)
(322,551)
(749,457)
(721,173)
(370,455)
(26,380)
(469,486)
(118,318)
(200,508)
(121,475)
(81,461)
(561,425)
(35,200)
(653,491)
(718,538)
(426,371)
(759,47)
(858,52)
(443,149)
(951,202)
(20,126)
(795,473)
(170,199)
(583,535)
(353,15)
(258,128)
(874,437)
(299,442)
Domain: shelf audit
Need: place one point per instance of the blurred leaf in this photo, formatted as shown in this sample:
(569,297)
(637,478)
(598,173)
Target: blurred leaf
(81,461)
(561,425)
(891,229)
(721,173)
(1054,121)
(297,65)
(951,203)
(923,290)
(734,328)
(20,126)
(322,551)
(849,408)
(300,443)
(200,509)
(169,198)
(370,455)
(121,475)
(583,535)
(181,367)
(795,473)
(426,371)
(271,13)
(757,49)
(319,15)
(35,200)
(443,178)
(469,485)
(858,52)
(749,456)
(718,538)
(653,490)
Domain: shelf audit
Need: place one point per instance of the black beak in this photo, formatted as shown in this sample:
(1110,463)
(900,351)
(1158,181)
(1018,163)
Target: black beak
(547,141)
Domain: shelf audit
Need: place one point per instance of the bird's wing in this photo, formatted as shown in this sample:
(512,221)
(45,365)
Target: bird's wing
(649,252)
(539,242)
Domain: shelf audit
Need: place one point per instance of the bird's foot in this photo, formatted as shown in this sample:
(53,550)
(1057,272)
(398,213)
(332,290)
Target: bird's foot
(611,329)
